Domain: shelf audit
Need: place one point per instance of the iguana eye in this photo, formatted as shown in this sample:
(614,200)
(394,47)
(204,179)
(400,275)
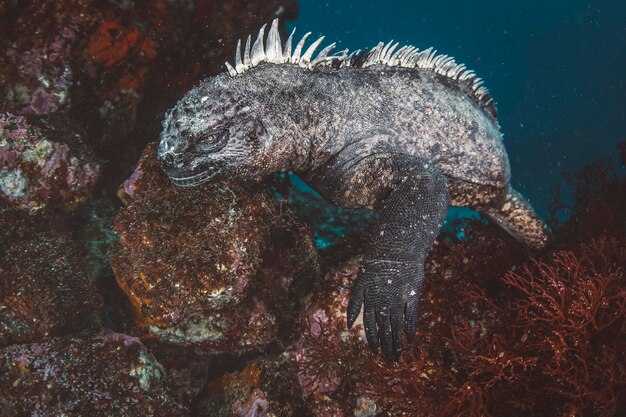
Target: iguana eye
(211,141)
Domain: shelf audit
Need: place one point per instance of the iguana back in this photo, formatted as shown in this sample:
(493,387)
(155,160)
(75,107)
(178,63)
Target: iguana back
(399,130)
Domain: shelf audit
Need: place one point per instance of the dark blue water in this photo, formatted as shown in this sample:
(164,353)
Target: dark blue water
(556,68)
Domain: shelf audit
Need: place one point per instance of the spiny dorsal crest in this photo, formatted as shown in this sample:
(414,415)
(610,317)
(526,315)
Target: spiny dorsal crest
(272,50)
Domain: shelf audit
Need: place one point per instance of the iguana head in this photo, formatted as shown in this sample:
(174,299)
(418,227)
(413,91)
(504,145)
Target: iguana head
(209,134)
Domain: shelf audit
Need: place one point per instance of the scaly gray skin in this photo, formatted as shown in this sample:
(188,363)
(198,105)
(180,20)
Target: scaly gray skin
(370,134)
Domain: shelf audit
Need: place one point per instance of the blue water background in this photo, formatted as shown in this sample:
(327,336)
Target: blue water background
(555,68)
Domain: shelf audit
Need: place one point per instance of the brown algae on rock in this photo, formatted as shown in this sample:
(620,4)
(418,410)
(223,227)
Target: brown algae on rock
(44,288)
(207,265)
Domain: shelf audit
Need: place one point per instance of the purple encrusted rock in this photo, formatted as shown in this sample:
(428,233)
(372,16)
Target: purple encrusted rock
(101,375)
(44,164)
(328,307)
(327,326)
(42,75)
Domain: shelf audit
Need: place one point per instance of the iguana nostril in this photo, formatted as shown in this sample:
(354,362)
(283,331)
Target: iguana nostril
(168,159)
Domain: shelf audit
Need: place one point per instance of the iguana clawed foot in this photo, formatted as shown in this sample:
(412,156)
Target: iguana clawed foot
(389,291)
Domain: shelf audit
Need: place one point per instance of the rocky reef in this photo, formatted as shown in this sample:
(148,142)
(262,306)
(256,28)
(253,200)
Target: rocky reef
(44,289)
(212,265)
(44,164)
(266,386)
(103,374)
(121,294)
(543,340)
(79,102)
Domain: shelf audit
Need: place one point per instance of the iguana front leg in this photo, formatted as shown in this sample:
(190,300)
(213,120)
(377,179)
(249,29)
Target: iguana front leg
(412,196)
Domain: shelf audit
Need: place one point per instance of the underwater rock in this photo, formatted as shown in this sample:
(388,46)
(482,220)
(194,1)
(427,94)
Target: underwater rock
(92,60)
(83,48)
(101,375)
(329,303)
(36,69)
(188,368)
(44,288)
(44,164)
(210,265)
(265,387)
(237,394)
(326,324)
(326,313)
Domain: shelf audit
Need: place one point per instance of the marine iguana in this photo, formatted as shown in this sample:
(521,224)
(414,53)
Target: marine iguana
(399,130)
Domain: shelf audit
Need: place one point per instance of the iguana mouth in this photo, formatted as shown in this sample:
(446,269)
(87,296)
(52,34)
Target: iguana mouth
(194,179)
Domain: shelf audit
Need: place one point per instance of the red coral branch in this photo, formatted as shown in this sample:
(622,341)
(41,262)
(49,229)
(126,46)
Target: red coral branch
(549,342)
(574,306)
